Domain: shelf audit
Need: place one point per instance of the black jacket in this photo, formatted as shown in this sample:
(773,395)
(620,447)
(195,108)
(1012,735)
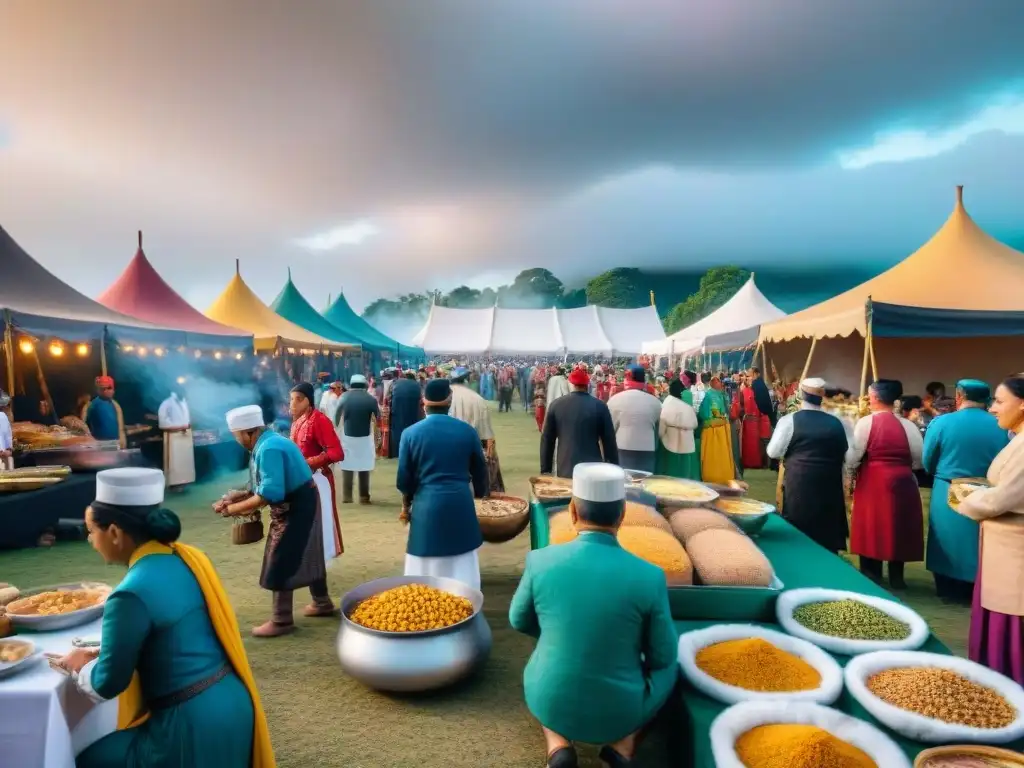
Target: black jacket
(582,427)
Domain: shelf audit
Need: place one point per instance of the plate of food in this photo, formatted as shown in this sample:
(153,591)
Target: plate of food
(59,607)
(16,654)
(551,488)
(962,488)
(676,492)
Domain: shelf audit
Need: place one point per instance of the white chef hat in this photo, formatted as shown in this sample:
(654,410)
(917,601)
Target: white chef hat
(813,387)
(130,487)
(598,482)
(357,378)
(246,417)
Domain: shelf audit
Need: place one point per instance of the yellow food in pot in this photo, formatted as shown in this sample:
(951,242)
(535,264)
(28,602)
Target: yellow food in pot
(411,608)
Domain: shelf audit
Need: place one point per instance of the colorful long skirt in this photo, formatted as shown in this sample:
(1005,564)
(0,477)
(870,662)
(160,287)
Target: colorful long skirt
(682,465)
(996,639)
(384,444)
(538,414)
(495,480)
(716,461)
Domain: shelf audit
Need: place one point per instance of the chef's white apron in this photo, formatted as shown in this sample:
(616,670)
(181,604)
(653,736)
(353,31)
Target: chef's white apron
(323,487)
(179,458)
(360,453)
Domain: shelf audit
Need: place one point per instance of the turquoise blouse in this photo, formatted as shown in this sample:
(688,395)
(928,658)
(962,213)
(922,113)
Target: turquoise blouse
(278,467)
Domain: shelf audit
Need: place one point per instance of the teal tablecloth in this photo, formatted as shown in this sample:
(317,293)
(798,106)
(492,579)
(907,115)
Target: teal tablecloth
(798,562)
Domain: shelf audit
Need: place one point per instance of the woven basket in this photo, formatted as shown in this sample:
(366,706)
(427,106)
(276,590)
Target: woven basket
(249,531)
(498,530)
(970,750)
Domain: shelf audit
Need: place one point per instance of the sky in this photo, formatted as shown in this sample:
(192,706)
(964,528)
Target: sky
(403,145)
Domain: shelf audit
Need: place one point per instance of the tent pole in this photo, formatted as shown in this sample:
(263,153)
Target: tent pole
(864,365)
(41,378)
(871,351)
(9,352)
(103,352)
(810,354)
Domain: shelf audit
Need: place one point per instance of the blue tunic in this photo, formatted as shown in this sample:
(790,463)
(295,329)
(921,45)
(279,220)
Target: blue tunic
(605,660)
(101,419)
(278,467)
(437,459)
(960,444)
(156,622)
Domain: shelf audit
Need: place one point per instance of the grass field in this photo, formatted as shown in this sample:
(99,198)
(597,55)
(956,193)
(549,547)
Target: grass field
(318,716)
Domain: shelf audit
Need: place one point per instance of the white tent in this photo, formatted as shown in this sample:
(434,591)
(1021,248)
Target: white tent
(585,331)
(733,325)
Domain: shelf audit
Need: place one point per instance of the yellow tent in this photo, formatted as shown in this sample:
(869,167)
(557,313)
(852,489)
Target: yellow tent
(947,311)
(244,309)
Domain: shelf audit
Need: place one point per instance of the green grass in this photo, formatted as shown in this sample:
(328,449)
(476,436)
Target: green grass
(320,717)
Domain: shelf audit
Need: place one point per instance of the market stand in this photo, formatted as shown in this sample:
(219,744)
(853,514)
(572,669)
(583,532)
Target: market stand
(798,562)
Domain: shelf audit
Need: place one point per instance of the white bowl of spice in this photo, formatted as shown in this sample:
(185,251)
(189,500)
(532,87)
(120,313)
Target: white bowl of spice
(761,734)
(745,662)
(937,699)
(849,623)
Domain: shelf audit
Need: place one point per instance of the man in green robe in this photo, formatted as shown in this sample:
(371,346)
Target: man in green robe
(605,662)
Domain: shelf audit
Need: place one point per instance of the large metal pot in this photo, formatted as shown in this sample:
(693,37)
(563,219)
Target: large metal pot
(413,661)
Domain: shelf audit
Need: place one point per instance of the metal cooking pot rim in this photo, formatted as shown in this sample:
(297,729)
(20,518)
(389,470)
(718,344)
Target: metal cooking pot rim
(370,588)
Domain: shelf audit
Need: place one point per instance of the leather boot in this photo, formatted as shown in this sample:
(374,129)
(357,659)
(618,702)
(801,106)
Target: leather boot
(320,611)
(271,629)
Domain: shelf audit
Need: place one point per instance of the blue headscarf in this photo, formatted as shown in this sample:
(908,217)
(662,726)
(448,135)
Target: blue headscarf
(975,390)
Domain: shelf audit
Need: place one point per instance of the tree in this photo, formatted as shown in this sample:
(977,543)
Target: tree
(622,288)
(535,288)
(574,299)
(463,297)
(717,286)
(410,306)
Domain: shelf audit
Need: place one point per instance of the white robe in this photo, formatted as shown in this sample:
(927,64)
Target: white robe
(323,488)
(464,567)
(179,449)
(558,386)
(471,408)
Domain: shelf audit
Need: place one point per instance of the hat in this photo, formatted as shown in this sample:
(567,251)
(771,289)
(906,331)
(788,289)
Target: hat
(598,482)
(460,373)
(323,375)
(305,389)
(579,377)
(637,373)
(130,487)
(104,381)
(357,378)
(246,417)
(339,384)
(814,387)
(437,392)
(975,390)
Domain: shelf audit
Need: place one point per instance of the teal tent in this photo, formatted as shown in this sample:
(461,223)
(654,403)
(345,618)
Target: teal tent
(292,306)
(341,315)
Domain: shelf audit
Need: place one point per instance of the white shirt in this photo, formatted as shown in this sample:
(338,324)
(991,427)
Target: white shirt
(859,444)
(783,433)
(678,421)
(558,386)
(173,414)
(697,390)
(636,415)
(329,404)
(6,436)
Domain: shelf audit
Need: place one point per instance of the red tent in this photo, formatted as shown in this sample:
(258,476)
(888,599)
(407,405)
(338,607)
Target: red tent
(142,293)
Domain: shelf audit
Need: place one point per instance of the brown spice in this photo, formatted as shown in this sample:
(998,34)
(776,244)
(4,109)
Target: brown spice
(942,695)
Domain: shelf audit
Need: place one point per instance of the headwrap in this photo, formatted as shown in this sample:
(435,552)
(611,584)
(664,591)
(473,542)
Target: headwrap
(305,389)
(637,373)
(245,418)
(975,390)
(357,380)
(103,382)
(888,391)
(579,377)
(437,392)
(675,388)
(687,382)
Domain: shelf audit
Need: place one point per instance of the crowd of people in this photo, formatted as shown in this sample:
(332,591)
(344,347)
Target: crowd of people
(705,427)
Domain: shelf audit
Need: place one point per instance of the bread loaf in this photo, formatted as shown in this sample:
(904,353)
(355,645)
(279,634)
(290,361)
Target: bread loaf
(660,548)
(687,523)
(640,515)
(726,558)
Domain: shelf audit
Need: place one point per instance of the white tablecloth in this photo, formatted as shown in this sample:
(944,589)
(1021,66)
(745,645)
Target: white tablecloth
(45,721)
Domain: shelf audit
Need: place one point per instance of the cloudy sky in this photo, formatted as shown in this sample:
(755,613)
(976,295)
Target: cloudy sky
(385,146)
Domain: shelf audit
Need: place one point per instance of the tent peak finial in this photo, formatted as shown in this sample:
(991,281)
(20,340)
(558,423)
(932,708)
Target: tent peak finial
(959,194)
(238,266)
(289,274)
(140,239)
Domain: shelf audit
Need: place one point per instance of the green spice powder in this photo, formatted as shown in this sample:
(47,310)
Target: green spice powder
(851,620)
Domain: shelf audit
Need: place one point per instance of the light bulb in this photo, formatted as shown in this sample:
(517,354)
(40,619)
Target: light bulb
(142,351)
(238,356)
(199,353)
(26,346)
(158,352)
(82,350)
(217,355)
(56,350)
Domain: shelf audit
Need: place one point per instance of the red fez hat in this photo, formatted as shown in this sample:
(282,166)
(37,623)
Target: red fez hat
(104,381)
(579,377)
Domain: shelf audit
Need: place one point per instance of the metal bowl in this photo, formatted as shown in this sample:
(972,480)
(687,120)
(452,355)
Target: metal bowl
(702,495)
(750,523)
(54,621)
(413,661)
(636,475)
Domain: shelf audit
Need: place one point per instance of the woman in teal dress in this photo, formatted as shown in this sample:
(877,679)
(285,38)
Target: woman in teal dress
(957,445)
(688,378)
(676,456)
(171,651)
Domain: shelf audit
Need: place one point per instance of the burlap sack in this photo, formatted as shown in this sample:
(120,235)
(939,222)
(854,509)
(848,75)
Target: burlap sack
(728,559)
(660,548)
(687,523)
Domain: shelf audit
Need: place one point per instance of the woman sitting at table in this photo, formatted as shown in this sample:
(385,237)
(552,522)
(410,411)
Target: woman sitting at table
(171,651)
(997,615)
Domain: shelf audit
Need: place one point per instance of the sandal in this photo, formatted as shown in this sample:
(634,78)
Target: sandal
(563,757)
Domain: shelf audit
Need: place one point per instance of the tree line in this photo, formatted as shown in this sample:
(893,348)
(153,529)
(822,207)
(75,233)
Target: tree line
(681,301)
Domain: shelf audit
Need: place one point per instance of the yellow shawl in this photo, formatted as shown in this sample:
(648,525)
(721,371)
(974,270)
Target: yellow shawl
(130,708)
